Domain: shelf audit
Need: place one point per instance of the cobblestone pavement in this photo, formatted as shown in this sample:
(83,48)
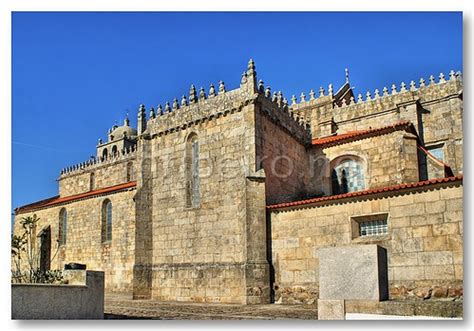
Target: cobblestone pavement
(120,307)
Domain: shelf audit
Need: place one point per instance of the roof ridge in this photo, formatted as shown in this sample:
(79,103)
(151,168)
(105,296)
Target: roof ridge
(58,199)
(389,188)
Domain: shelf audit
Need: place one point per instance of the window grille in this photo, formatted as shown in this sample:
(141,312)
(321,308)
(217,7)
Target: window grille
(373,228)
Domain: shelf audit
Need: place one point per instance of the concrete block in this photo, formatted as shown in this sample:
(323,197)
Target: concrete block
(357,272)
(331,310)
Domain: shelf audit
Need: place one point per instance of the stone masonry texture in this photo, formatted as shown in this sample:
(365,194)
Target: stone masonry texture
(254,151)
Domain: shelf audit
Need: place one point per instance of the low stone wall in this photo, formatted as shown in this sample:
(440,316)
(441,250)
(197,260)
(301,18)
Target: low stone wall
(69,301)
(424,243)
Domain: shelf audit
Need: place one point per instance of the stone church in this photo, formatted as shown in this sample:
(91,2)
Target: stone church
(227,196)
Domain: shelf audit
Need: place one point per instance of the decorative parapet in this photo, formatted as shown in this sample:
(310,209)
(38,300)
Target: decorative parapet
(389,99)
(199,107)
(276,108)
(93,163)
(205,108)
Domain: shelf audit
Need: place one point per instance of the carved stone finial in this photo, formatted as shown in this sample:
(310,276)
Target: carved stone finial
(359,98)
(394,89)
(302,97)
(202,93)
(330,89)
(192,94)
(367,96)
(251,66)
(321,91)
(212,91)
(175,104)
(344,102)
(412,85)
(293,99)
(159,110)
(261,87)
(385,91)
(274,97)
(152,113)
(403,87)
(376,94)
(167,107)
(221,87)
(347,75)
(422,82)
(311,94)
(100,141)
(141,108)
(285,102)
(441,78)
(279,99)
(184,101)
(243,80)
(452,75)
(352,100)
(432,80)
(268,92)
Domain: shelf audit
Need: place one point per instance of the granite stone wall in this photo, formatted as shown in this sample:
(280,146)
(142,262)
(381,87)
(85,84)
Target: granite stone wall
(83,241)
(424,243)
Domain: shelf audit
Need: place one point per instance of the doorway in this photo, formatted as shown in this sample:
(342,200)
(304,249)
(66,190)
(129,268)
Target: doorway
(45,249)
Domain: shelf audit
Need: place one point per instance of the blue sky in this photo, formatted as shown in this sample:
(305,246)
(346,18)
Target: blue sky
(76,74)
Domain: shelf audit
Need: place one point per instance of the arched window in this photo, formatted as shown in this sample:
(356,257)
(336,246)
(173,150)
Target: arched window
(114,150)
(62,227)
(106,221)
(130,172)
(192,171)
(92,181)
(348,174)
(104,153)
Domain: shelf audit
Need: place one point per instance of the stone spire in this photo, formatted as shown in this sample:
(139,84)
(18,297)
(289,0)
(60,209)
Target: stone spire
(250,83)
(141,119)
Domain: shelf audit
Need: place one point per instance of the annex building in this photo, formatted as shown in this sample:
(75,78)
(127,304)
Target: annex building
(227,196)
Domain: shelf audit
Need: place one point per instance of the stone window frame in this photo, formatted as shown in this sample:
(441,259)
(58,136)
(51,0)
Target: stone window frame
(106,228)
(62,227)
(350,155)
(192,180)
(356,220)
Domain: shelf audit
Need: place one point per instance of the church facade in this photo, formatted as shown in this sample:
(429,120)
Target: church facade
(227,196)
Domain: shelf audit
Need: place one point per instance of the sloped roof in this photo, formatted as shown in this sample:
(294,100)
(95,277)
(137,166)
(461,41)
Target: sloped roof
(391,188)
(362,134)
(56,200)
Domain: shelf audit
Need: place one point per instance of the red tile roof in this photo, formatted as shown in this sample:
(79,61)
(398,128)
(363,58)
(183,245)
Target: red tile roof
(58,200)
(391,188)
(361,134)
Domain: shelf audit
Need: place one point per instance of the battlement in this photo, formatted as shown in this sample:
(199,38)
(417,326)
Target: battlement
(93,163)
(199,106)
(390,99)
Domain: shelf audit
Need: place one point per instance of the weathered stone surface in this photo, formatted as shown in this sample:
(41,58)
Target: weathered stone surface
(254,150)
(357,272)
(331,309)
(79,300)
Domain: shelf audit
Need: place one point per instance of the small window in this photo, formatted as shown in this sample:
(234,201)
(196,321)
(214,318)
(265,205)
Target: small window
(62,227)
(437,151)
(348,175)
(192,171)
(106,221)
(367,226)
